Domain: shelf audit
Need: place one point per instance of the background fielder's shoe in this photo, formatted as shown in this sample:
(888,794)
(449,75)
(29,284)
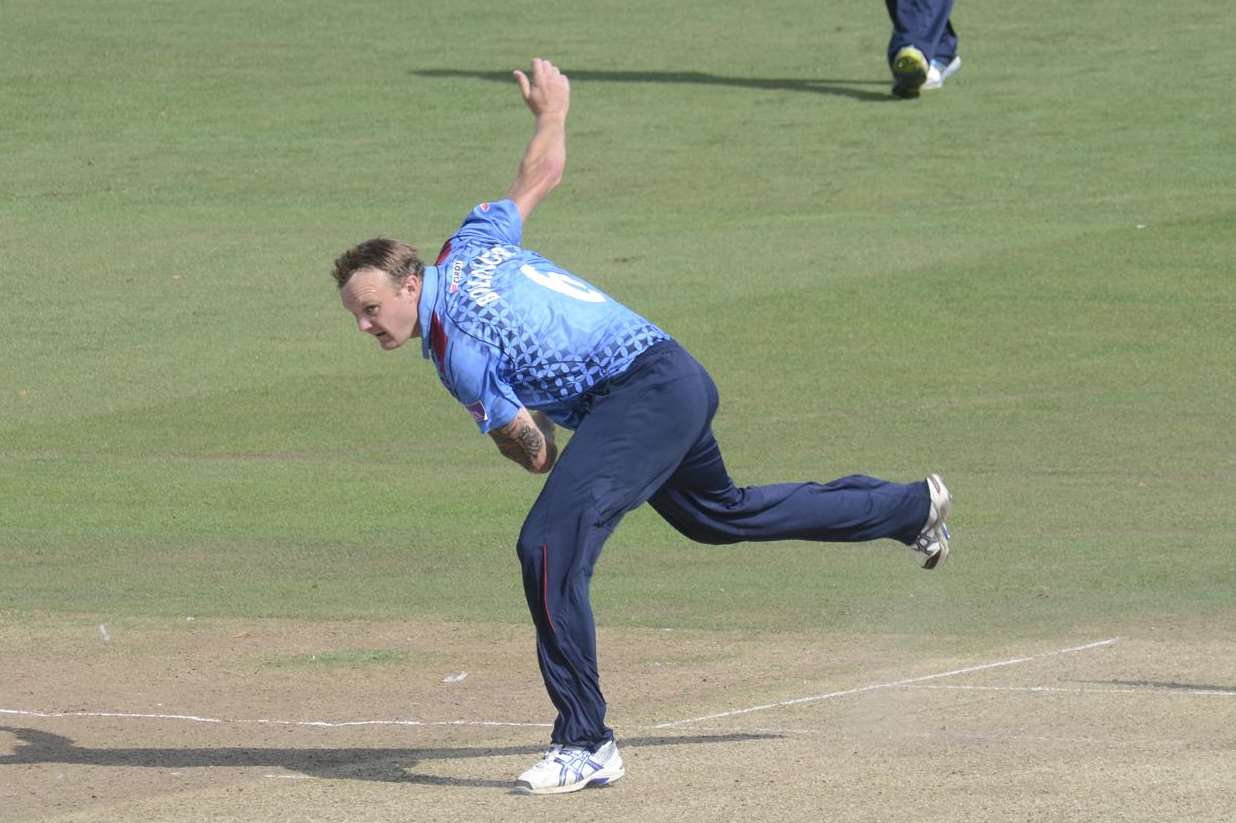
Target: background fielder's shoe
(571,768)
(939,71)
(909,72)
(931,547)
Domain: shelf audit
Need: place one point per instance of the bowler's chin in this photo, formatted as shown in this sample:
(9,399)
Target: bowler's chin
(389,343)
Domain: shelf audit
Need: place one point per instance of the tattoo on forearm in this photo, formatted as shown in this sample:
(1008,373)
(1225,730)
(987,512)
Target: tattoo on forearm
(520,442)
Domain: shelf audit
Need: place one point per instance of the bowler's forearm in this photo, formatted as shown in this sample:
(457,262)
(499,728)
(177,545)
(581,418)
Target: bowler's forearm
(543,163)
(523,442)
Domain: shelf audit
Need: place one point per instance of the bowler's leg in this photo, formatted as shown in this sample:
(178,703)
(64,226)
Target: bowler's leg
(640,427)
(558,549)
(702,502)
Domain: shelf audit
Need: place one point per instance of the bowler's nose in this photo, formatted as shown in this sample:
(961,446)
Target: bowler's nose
(364,323)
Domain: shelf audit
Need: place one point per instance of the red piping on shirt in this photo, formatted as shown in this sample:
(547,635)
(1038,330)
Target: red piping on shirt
(437,341)
(445,253)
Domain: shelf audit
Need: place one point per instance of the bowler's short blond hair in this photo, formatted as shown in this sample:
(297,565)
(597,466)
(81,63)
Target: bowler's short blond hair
(395,257)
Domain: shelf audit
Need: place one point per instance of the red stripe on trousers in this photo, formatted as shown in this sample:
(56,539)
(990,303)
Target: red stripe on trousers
(545,585)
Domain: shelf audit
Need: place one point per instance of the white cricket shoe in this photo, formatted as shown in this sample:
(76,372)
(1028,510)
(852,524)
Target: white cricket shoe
(571,768)
(938,72)
(931,547)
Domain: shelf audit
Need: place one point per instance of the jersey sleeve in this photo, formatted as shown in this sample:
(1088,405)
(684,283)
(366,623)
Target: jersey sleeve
(492,223)
(472,377)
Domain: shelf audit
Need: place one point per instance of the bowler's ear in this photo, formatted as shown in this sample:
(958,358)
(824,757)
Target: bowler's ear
(412,285)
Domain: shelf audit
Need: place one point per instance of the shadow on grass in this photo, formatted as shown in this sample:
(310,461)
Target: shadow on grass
(841,88)
(382,765)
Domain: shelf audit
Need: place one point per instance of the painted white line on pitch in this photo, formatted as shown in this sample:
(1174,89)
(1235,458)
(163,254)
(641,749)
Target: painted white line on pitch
(833,734)
(1076,690)
(316,723)
(126,715)
(892,684)
(341,723)
(1096,644)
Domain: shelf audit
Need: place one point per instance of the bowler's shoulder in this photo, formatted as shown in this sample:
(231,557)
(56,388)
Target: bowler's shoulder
(492,222)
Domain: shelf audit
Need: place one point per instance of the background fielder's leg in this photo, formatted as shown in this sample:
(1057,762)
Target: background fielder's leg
(923,24)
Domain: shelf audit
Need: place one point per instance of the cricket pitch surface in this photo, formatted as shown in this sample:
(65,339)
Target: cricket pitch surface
(221,720)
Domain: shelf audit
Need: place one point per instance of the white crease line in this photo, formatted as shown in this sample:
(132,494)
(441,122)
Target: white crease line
(846,692)
(1140,690)
(493,723)
(24,713)
(340,724)
(317,723)
(1096,644)
(835,735)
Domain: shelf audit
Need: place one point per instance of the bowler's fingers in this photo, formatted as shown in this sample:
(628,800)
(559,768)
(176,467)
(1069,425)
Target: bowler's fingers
(526,83)
(551,77)
(525,86)
(543,70)
(546,81)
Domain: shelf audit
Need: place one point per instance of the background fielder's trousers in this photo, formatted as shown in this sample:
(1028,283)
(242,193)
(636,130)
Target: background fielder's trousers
(648,436)
(925,25)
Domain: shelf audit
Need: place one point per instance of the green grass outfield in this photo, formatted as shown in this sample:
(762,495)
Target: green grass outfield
(1025,281)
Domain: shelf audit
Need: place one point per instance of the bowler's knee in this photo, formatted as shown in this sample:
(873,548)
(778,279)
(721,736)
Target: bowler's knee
(706,533)
(529,549)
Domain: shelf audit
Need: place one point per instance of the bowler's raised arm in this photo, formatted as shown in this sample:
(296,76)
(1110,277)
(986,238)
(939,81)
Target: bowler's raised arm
(547,92)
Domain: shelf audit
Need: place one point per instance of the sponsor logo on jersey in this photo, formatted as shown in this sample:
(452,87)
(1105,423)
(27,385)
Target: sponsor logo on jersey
(456,276)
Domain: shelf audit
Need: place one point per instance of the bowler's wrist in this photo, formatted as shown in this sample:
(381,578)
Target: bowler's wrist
(551,119)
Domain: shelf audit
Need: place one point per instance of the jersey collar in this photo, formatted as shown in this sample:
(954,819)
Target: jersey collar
(430,282)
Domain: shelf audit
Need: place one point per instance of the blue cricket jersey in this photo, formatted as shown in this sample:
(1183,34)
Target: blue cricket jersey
(507,328)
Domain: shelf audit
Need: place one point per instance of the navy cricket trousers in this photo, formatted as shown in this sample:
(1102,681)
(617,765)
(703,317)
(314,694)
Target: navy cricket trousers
(925,25)
(647,437)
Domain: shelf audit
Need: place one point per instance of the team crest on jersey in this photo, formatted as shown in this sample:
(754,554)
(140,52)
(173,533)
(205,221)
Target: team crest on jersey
(484,207)
(477,410)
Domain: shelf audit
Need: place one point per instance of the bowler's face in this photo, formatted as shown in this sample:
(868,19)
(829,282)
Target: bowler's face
(382,308)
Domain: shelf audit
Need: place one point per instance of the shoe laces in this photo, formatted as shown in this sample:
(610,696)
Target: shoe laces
(549,754)
(928,541)
(559,755)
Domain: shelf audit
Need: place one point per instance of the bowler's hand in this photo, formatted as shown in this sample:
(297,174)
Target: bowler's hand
(547,91)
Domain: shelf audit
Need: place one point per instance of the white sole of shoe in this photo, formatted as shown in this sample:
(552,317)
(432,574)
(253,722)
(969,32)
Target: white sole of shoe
(942,502)
(597,780)
(941,553)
